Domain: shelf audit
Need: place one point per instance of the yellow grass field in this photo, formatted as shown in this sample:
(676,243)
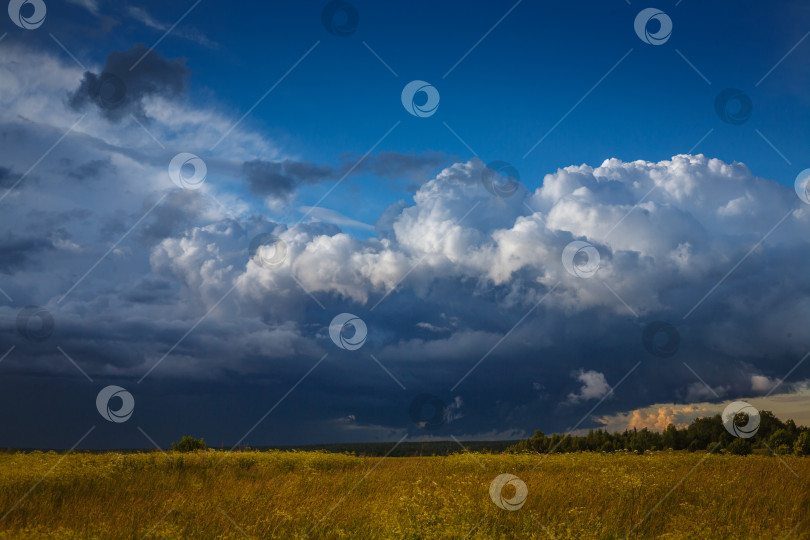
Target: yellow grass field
(277,494)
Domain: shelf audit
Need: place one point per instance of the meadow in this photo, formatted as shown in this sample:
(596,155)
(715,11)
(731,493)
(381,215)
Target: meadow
(278,494)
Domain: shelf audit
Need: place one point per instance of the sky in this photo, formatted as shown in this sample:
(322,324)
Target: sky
(312,222)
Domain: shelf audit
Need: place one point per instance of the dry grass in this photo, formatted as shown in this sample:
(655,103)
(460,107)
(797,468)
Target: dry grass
(288,494)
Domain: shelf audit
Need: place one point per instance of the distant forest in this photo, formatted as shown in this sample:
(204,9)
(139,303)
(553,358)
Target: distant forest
(704,434)
(773,436)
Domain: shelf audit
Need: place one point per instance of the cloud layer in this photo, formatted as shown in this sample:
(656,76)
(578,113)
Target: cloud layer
(464,293)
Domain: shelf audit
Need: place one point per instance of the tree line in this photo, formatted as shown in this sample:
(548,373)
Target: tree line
(708,433)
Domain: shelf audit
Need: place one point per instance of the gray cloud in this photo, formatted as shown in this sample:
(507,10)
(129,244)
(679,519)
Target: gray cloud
(180,210)
(15,251)
(390,164)
(119,90)
(461,270)
(279,180)
(480,277)
(151,290)
(8,178)
(89,170)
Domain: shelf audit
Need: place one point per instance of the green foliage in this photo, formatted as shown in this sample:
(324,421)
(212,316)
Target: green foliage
(189,444)
(781,437)
(670,437)
(739,447)
(768,424)
(802,444)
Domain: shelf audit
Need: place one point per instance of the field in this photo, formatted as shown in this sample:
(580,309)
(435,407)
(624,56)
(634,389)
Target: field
(278,494)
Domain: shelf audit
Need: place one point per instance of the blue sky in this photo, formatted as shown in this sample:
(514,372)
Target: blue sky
(506,94)
(327,197)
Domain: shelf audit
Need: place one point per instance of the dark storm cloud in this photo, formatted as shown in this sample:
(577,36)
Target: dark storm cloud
(398,165)
(178,210)
(119,90)
(281,179)
(7,178)
(15,251)
(151,290)
(176,213)
(46,221)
